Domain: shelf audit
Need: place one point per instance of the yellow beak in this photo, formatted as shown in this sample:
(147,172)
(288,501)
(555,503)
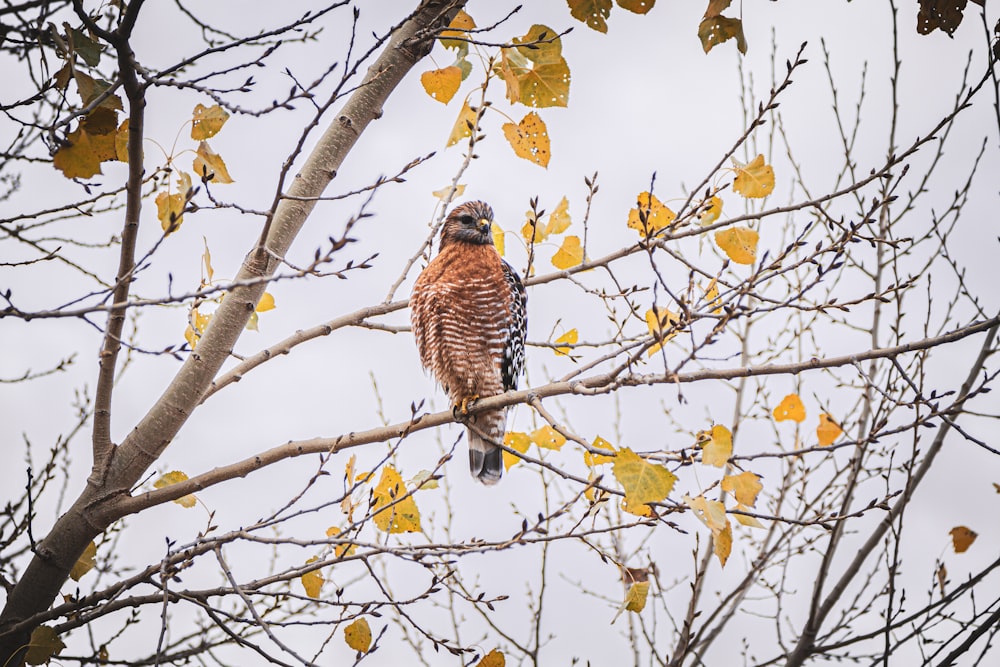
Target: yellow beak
(484,223)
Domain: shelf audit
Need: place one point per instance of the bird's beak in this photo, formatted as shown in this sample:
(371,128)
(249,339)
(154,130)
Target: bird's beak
(484,224)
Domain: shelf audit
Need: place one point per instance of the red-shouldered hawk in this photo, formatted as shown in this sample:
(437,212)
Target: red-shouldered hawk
(468,310)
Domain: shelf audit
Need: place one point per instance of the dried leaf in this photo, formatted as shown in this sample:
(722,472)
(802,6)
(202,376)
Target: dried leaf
(85,563)
(962,538)
(492,659)
(790,408)
(463,126)
(592,12)
(828,430)
(635,598)
(570,253)
(753,180)
(739,244)
(661,323)
(536,75)
(358,635)
(444,193)
(716,445)
(174,477)
(459,27)
(44,644)
(649,215)
(529,139)
(744,487)
(559,220)
(403,516)
(312,581)
(643,482)
(712,212)
(209,165)
(715,30)
(637,6)
(207,121)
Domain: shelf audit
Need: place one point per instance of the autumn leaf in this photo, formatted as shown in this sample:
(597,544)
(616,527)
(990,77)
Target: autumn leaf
(570,337)
(85,563)
(44,644)
(715,30)
(197,323)
(533,231)
(442,84)
(529,139)
(498,238)
(79,156)
(828,430)
(459,27)
(358,635)
(592,12)
(170,206)
(449,192)
(312,581)
(637,6)
(403,516)
(754,180)
(492,659)
(341,550)
(739,244)
(518,442)
(121,142)
(174,477)
(207,121)
(209,165)
(712,296)
(713,514)
(656,215)
(592,459)
(90,89)
(463,126)
(559,220)
(962,538)
(743,519)
(790,408)
(744,487)
(535,72)
(716,445)
(570,253)
(661,324)
(266,303)
(716,7)
(548,438)
(711,212)
(643,482)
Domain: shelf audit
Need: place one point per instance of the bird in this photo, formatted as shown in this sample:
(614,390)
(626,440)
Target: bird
(468,309)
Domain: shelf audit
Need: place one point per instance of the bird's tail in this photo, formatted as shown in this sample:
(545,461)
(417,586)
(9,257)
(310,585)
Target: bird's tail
(485,455)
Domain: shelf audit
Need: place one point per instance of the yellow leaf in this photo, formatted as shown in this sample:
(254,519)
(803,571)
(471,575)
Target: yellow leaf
(637,6)
(121,142)
(536,75)
(312,581)
(459,27)
(962,538)
(207,121)
(570,253)
(44,644)
(518,442)
(341,550)
(533,230)
(739,244)
(174,477)
(715,30)
(548,437)
(754,180)
(85,563)
(828,430)
(90,88)
(712,296)
(206,259)
(463,126)
(559,220)
(750,521)
(723,544)
(712,513)
(592,459)
(358,635)
(570,337)
(635,598)
(209,165)
(529,139)
(498,239)
(661,323)
(83,152)
(716,446)
(656,215)
(592,12)
(744,487)
(790,408)
(266,303)
(170,210)
(197,323)
(444,192)
(403,516)
(492,659)
(442,84)
(712,212)
(643,482)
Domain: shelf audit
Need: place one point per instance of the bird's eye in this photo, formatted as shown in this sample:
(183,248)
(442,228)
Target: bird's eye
(467,219)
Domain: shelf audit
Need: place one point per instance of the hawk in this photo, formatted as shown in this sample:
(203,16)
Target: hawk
(468,310)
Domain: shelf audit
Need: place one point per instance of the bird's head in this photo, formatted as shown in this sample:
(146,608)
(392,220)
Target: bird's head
(468,223)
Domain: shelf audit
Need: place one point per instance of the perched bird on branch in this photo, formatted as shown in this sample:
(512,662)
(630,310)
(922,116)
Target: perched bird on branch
(469,315)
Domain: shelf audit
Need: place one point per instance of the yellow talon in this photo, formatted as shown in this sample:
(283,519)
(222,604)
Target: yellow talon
(463,407)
